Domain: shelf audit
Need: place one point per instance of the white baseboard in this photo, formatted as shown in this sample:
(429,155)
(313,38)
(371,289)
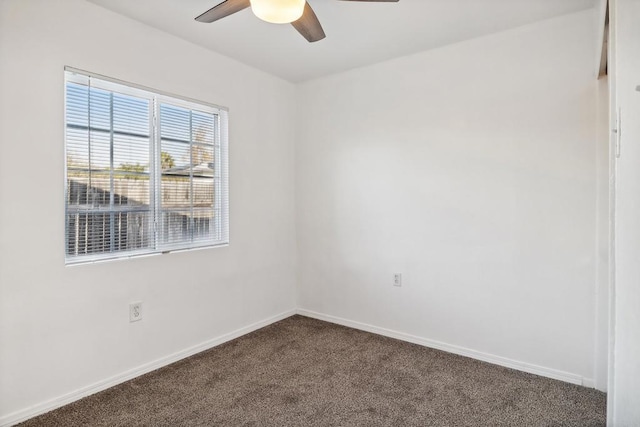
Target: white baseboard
(41,408)
(462,351)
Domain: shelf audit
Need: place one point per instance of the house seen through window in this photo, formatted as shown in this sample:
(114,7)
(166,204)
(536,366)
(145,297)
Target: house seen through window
(145,172)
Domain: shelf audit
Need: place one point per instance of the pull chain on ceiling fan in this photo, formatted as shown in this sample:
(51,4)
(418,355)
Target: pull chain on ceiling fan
(297,12)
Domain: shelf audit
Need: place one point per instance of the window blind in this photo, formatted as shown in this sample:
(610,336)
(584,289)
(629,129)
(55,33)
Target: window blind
(145,172)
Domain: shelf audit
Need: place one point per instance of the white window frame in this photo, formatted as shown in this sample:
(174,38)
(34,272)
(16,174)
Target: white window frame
(221,177)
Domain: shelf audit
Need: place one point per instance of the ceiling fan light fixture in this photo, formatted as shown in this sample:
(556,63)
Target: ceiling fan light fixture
(278,11)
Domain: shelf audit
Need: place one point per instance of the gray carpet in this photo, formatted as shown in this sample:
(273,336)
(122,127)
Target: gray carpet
(304,372)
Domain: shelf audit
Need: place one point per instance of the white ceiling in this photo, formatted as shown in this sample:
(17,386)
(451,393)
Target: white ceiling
(358,33)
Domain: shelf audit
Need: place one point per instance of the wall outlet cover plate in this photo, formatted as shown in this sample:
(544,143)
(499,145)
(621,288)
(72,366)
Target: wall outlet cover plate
(135,311)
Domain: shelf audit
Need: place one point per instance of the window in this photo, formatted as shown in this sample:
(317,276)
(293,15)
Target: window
(145,172)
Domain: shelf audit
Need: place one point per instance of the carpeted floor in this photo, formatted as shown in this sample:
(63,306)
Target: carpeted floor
(304,372)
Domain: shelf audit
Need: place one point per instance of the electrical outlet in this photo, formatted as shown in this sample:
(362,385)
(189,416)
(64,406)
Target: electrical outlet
(397,279)
(135,311)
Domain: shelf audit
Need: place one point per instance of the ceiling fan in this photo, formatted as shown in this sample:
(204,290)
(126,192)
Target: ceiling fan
(296,12)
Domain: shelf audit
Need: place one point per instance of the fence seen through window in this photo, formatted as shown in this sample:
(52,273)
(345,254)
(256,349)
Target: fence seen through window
(145,172)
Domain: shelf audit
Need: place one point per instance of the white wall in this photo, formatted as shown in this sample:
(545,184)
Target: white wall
(604,217)
(65,328)
(625,399)
(611,64)
(471,170)
(603,235)
(605,192)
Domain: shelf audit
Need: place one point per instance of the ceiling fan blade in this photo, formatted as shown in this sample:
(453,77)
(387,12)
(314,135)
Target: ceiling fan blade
(226,8)
(309,26)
